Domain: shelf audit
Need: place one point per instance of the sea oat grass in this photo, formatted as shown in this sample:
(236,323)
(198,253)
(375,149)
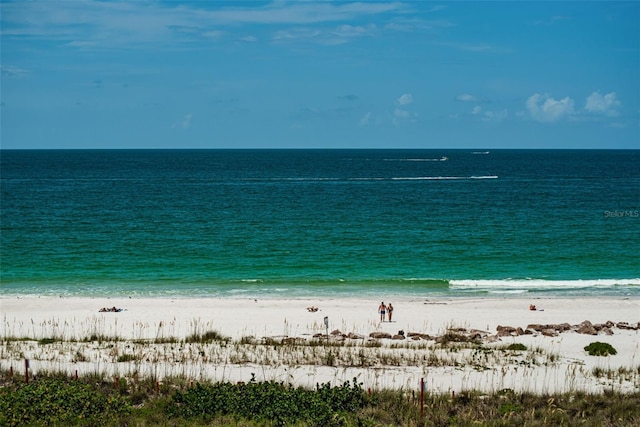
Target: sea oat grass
(206,337)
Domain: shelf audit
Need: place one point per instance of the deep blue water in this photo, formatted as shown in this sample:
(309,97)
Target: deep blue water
(302,222)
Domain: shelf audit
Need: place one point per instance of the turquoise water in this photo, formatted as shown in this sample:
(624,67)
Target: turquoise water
(320,222)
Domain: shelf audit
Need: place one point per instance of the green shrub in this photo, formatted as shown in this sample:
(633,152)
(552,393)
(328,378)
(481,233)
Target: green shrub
(270,402)
(59,402)
(126,358)
(209,336)
(508,407)
(54,399)
(453,337)
(517,347)
(600,349)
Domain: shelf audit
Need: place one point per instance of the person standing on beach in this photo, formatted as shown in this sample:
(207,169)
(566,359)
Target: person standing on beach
(390,311)
(382,309)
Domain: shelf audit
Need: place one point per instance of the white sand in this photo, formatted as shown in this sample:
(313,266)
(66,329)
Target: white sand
(561,364)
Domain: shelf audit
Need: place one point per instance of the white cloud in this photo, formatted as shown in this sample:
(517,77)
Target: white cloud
(297,34)
(248,39)
(405,99)
(489,116)
(606,105)
(303,12)
(465,97)
(353,31)
(92,23)
(405,23)
(474,47)
(401,114)
(185,123)
(544,108)
(11,71)
(339,35)
(495,116)
(365,119)
(212,34)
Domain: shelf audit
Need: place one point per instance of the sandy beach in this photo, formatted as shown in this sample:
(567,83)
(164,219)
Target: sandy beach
(273,339)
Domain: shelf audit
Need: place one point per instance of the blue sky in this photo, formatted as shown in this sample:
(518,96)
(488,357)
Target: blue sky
(320,74)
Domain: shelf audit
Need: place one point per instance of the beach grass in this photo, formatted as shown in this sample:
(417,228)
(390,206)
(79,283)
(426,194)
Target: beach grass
(167,342)
(208,355)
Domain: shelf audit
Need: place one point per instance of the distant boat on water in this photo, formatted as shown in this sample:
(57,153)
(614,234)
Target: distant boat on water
(480,152)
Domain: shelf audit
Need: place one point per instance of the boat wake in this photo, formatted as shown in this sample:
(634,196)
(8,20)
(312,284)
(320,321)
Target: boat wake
(441,159)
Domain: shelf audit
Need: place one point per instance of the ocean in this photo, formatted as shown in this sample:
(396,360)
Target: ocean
(304,223)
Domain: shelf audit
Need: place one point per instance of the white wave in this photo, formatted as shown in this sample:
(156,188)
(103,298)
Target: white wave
(440,159)
(540,283)
(304,179)
(410,178)
(443,178)
(509,291)
(238,291)
(276,290)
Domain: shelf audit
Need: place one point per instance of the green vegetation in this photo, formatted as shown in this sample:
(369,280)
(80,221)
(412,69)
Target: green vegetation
(268,402)
(619,374)
(600,349)
(517,347)
(206,337)
(454,337)
(126,358)
(55,400)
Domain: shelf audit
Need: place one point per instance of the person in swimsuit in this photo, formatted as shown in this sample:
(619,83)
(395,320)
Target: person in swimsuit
(382,309)
(390,311)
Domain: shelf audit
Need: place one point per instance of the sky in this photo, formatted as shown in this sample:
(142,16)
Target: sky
(319,74)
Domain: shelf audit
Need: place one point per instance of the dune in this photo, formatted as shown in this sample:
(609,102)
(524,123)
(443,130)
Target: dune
(451,344)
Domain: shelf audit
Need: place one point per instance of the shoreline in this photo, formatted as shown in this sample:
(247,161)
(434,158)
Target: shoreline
(611,288)
(258,328)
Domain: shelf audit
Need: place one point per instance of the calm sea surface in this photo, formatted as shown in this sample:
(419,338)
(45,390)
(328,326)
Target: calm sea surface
(297,223)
